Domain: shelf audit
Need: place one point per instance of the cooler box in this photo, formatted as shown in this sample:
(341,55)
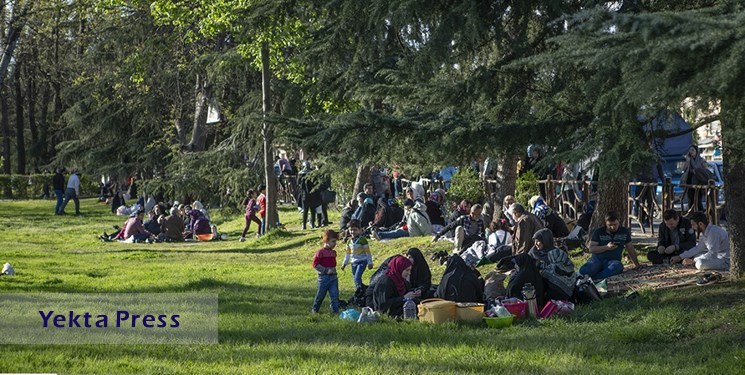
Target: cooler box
(436,310)
(469,312)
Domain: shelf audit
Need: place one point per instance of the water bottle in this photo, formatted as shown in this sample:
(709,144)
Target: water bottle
(529,294)
(409,309)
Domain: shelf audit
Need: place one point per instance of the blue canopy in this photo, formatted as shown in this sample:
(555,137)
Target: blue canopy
(664,124)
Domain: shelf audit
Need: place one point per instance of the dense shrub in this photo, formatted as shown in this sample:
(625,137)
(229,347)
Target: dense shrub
(466,185)
(32,186)
(526,187)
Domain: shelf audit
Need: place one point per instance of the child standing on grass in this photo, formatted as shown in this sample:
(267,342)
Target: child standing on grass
(251,208)
(262,208)
(358,252)
(324,262)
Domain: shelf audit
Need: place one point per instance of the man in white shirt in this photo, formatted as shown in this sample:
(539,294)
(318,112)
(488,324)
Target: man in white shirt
(712,250)
(72,192)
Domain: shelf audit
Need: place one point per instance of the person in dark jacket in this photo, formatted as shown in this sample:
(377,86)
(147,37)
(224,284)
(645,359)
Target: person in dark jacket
(433,209)
(346,214)
(550,218)
(310,197)
(421,275)
(375,278)
(58,183)
(674,237)
(365,213)
(397,213)
(460,283)
(390,292)
(526,272)
(555,267)
(383,215)
(464,208)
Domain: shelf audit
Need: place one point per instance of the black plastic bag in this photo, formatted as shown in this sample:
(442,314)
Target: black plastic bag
(585,291)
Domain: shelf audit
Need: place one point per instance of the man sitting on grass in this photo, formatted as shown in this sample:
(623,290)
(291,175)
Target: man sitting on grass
(606,246)
(712,250)
(675,236)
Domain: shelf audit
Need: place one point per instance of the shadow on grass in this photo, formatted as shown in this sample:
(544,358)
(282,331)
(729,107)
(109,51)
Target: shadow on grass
(188,248)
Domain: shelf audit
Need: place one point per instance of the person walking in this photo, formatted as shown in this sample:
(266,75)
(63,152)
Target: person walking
(72,192)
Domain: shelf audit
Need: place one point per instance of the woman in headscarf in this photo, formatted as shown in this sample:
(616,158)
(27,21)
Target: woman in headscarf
(390,292)
(525,272)
(558,276)
(543,242)
(421,276)
(460,283)
(434,211)
(554,265)
(549,217)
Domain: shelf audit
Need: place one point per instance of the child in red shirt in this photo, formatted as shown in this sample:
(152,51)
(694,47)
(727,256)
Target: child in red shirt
(324,262)
(262,208)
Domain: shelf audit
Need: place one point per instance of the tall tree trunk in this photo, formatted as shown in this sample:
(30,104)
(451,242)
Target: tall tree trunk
(733,160)
(363,177)
(31,106)
(179,114)
(201,105)
(506,175)
(612,196)
(268,135)
(15,27)
(20,141)
(44,125)
(5,124)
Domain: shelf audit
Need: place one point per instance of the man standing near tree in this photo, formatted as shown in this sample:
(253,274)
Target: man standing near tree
(72,192)
(607,246)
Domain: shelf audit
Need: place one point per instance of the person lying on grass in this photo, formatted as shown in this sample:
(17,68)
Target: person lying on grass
(607,246)
(712,250)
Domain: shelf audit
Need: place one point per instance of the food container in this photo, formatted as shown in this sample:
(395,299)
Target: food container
(469,312)
(436,310)
(518,309)
(499,322)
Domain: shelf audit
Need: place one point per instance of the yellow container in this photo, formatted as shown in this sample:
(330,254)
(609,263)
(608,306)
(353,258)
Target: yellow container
(436,310)
(470,312)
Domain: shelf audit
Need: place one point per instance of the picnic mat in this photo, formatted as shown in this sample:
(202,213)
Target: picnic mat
(655,277)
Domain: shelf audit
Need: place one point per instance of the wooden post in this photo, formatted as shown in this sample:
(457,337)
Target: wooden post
(711,203)
(667,190)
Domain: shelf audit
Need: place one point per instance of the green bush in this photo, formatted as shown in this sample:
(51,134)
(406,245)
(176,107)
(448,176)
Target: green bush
(32,186)
(526,187)
(466,185)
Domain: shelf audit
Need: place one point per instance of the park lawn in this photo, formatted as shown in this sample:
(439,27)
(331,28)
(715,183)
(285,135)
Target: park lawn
(266,288)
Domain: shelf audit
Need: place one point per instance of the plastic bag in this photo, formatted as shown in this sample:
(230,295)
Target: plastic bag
(349,314)
(586,291)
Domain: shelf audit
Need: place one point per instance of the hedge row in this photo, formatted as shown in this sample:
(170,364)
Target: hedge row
(32,186)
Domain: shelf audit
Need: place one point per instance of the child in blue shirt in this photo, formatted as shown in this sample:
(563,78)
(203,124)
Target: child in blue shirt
(358,253)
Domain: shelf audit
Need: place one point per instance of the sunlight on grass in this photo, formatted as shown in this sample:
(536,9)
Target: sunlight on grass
(266,287)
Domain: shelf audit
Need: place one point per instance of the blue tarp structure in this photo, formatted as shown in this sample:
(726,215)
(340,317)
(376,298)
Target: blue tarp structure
(669,123)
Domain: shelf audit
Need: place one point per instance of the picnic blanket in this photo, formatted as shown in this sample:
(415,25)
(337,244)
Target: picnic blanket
(655,277)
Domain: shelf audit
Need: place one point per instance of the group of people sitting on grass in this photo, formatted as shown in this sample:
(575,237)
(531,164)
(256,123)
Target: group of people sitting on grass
(517,239)
(176,223)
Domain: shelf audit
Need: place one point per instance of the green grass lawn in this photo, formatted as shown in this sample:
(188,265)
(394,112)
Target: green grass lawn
(266,288)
